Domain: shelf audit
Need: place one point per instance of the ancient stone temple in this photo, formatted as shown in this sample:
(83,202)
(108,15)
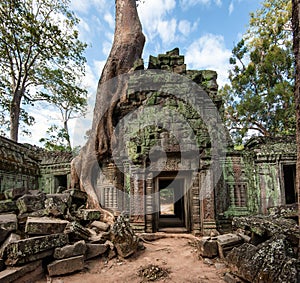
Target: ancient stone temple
(174,167)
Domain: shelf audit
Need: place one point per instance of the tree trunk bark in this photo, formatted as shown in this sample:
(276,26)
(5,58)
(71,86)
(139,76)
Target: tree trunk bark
(15,115)
(126,49)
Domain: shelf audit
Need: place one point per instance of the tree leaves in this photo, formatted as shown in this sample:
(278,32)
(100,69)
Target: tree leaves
(259,99)
(39,49)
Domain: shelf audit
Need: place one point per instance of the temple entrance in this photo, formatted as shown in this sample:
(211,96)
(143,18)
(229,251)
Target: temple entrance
(172,204)
(289,175)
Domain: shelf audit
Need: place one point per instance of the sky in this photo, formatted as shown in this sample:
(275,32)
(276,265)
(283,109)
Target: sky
(204,30)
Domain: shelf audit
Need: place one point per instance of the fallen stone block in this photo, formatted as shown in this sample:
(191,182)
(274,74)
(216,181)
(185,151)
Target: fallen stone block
(94,250)
(44,225)
(19,250)
(227,242)
(78,197)
(77,231)
(208,247)
(9,222)
(31,203)
(88,214)
(2,264)
(55,206)
(266,262)
(79,248)
(65,266)
(8,206)
(100,226)
(11,238)
(28,273)
(15,193)
(3,234)
(30,258)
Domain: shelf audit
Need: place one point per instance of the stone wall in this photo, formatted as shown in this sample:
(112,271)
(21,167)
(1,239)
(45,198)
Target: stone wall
(30,167)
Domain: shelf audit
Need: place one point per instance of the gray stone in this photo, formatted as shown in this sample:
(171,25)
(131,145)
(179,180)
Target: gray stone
(44,225)
(3,234)
(94,250)
(77,231)
(65,266)
(12,238)
(2,264)
(21,249)
(227,242)
(78,197)
(207,247)
(15,193)
(79,248)
(9,222)
(88,214)
(29,258)
(19,274)
(100,226)
(30,203)
(8,206)
(55,206)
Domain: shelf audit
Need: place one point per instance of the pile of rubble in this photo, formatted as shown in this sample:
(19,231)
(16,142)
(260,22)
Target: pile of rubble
(262,249)
(54,234)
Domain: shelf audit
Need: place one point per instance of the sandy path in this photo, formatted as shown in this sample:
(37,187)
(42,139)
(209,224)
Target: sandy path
(176,254)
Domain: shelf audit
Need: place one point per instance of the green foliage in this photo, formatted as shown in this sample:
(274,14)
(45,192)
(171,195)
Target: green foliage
(259,99)
(56,140)
(41,58)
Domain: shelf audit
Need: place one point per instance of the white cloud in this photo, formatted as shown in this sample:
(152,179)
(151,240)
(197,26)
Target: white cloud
(185,4)
(231,7)
(184,27)
(106,46)
(108,17)
(167,30)
(86,5)
(209,52)
(152,15)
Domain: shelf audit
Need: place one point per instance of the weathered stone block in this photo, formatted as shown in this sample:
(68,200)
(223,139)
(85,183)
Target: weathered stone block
(15,193)
(94,250)
(208,247)
(227,242)
(78,197)
(8,206)
(9,222)
(21,249)
(55,206)
(3,234)
(65,266)
(79,248)
(77,231)
(88,214)
(29,258)
(100,226)
(16,274)
(44,225)
(30,203)
(11,238)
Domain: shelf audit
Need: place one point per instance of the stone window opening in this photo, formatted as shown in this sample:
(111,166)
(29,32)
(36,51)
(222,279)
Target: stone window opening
(289,179)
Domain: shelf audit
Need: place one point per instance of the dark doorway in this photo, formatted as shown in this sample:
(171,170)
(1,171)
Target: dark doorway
(61,181)
(171,203)
(289,174)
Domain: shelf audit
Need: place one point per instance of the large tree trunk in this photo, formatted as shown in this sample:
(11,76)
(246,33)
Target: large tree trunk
(15,108)
(127,48)
(296,35)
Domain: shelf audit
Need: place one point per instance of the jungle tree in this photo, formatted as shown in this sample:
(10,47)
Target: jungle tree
(39,48)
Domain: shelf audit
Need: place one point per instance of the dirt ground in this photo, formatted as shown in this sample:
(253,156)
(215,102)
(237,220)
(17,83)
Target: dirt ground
(176,254)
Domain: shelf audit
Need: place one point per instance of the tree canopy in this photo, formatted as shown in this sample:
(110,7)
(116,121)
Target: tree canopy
(41,58)
(259,99)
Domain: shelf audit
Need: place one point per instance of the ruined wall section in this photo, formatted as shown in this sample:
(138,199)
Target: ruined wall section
(19,166)
(31,167)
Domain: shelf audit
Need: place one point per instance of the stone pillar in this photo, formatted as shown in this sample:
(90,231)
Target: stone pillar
(207,200)
(149,204)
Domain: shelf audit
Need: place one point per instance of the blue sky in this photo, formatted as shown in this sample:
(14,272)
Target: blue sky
(204,30)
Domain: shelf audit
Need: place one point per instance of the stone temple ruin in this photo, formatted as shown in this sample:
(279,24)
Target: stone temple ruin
(154,180)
